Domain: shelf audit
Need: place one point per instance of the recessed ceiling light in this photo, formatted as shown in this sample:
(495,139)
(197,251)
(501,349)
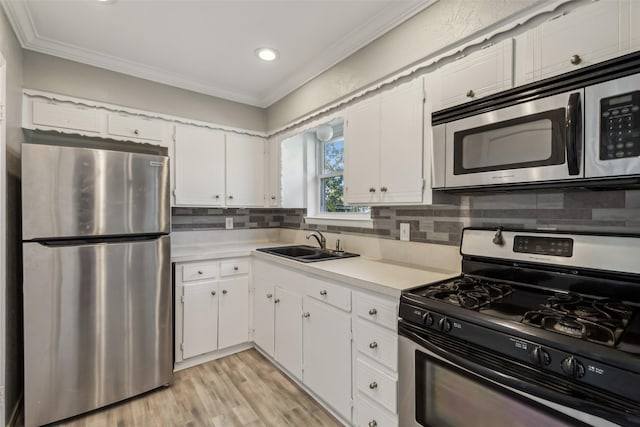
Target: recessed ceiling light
(267,54)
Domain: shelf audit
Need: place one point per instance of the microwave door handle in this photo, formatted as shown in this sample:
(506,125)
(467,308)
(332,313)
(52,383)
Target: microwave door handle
(573,132)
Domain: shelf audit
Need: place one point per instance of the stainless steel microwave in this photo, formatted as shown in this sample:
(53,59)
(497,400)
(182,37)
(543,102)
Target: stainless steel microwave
(590,133)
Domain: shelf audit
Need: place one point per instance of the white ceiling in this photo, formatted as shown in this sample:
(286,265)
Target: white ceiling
(208,45)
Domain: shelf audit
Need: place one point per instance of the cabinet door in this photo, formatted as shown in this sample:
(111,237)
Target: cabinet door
(200,168)
(132,127)
(233,325)
(327,354)
(263,313)
(401,143)
(51,114)
(362,152)
(273,174)
(583,37)
(245,170)
(479,74)
(288,331)
(200,318)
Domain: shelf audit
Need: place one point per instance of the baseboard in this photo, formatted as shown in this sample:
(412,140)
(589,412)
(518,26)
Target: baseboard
(208,357)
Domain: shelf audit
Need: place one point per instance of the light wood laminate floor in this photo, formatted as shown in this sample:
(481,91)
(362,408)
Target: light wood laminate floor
(243,389)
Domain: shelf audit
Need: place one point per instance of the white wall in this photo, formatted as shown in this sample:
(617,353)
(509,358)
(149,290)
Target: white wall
(426,34)
(52,74)
(11,279)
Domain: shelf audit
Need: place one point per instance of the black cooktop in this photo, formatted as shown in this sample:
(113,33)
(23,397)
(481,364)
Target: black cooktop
(602,321)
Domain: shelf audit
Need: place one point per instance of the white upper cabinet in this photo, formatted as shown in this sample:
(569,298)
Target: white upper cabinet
(481,73)
(48,114)
(245,170)
(594,33)
(273,193)
(199,166)
(132,127)
(383,135)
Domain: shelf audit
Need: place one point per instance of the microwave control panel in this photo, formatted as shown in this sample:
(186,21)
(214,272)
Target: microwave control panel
(620,126)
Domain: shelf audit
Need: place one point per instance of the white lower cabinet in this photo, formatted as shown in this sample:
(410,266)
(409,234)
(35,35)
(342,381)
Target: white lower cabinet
(344,357)
(327,354)
(211,307)
(376,360)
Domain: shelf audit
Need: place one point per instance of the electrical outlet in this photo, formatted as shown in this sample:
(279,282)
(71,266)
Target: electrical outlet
(228,223)
(405,231)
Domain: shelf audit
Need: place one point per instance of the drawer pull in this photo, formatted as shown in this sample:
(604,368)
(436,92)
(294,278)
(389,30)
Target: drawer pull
(575,60)
(235,268)
(213,293)
(372,190)
(373,312)
(470,93)
(306,315)
(230,197)
(323,292)
(217,196)
(373,345)
(224,292)
(373,423)
(373,385)
(199,271)
(136,132)
(269,296)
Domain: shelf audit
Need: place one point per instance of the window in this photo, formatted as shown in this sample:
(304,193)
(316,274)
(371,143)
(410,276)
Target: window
(330,177)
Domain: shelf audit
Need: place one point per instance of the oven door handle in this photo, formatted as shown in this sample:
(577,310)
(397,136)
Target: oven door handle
(505,379)
(573,131)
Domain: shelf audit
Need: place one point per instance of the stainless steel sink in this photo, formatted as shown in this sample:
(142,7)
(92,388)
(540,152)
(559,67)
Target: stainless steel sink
(304,253)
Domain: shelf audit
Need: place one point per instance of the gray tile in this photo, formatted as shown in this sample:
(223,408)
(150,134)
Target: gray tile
(632,199)
(448,227)
(550,200)
(506,200)
(594,199)
(616,214)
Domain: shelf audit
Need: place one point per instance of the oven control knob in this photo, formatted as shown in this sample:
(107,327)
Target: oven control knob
(445,324)
(572,367)
(428,319)
(539,356)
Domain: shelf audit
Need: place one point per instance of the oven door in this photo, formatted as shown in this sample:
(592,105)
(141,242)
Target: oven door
(539,140)
(439,389)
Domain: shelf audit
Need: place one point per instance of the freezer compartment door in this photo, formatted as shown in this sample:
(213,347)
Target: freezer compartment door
(79,192)
(97,325)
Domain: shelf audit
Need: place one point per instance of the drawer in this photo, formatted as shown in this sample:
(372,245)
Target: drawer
(377,385)
(202,271)
(370,415)
(65,116)
(231,268)
(333,294)
(134,127)
(377,343)
(381,311)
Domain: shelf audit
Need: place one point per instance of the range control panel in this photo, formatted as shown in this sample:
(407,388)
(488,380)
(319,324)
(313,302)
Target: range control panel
(620,126)
(556,246)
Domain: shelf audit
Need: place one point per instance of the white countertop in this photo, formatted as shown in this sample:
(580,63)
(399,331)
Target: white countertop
(368,273)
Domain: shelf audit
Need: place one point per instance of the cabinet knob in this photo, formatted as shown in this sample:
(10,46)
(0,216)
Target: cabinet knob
(323,292)
(217,196)
(372,190)
(373,423)
(471,93)
(575,59)
(273,197)
(373,345)
(213,293)
(269,296)
(306,315)
(199,271)
(277,300)
(373,385)
(373,312)
(224,292)
(230,197)
(136,132)
(235,268)
(383,189)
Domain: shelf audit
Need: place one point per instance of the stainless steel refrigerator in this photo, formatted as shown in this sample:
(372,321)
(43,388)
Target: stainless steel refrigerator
(97,274)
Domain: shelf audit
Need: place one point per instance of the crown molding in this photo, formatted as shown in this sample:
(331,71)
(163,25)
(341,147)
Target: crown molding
(26,32)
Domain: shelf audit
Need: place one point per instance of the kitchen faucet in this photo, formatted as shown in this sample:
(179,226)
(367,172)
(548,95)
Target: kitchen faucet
(319,237)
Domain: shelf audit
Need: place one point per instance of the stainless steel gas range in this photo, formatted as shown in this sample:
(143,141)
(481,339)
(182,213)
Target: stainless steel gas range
(541,328)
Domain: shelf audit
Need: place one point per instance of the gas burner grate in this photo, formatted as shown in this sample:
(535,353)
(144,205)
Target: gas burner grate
(469,292)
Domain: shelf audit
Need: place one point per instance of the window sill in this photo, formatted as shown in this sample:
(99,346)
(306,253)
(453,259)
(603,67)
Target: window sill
(340,221)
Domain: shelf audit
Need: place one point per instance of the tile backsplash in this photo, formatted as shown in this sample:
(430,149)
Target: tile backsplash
(570,210)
